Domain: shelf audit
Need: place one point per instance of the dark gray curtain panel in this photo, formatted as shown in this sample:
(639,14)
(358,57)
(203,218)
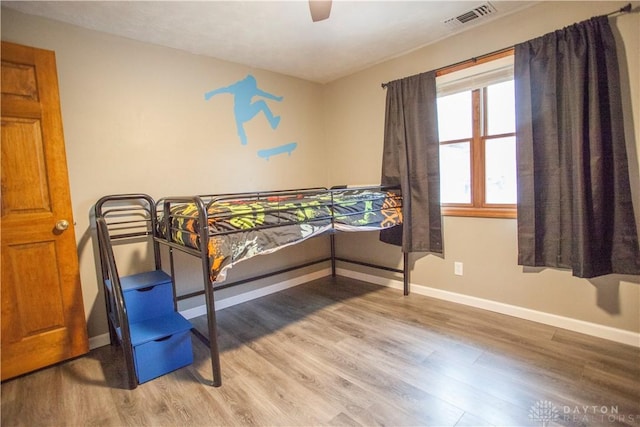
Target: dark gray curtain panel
(411,159)
(574,197)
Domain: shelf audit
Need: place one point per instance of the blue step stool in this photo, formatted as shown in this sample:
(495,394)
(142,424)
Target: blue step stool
(160,337)
(161,345)
(147,295)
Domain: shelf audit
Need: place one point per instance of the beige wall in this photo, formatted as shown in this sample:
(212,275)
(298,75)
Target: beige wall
(135,121)
(486,247)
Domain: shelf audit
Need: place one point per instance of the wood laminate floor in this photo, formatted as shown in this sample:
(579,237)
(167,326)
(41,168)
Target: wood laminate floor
(343,352)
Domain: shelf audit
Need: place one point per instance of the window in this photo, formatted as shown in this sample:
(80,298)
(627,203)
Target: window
(476,124)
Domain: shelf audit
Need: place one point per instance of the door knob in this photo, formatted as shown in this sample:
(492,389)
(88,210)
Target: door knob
(62,225)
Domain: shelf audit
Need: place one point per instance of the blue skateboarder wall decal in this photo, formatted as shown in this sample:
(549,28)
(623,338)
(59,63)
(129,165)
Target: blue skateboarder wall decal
(245,109)
(243,92)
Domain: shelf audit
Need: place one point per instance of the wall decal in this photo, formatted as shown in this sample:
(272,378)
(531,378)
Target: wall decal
(281,149)
(245,109)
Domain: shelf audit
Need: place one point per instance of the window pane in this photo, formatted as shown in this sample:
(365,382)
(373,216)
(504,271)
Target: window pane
(500,167)
(455,173)
(454,116)
(501,108)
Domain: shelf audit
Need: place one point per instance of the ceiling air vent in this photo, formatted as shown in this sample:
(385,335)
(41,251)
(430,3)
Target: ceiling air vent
(478,13)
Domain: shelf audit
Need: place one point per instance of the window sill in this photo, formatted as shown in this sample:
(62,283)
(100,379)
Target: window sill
(488,212)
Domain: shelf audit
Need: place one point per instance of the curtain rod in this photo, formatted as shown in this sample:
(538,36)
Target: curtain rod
(474,59)
(625,9)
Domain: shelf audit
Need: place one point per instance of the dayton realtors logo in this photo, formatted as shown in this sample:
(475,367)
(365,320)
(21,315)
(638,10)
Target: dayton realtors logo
(545,413)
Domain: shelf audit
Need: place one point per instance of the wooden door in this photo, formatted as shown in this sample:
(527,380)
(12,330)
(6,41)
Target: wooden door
(43,319)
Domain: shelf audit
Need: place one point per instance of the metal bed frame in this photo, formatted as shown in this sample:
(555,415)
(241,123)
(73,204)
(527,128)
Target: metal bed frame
(135,217)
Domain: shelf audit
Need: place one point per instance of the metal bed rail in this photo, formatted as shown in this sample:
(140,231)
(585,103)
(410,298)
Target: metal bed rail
(126,218)
(119,315)
(213,198)
(282,208)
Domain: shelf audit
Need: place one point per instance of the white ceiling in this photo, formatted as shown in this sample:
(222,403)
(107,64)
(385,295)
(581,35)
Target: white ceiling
(275,35)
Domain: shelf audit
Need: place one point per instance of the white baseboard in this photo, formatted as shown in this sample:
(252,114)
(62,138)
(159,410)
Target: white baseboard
(99,341)
(257,293)
(588,328)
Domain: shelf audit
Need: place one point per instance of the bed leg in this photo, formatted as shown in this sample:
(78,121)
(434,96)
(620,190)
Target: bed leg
(213,336)
(173,278)
(405,272)
(332,238)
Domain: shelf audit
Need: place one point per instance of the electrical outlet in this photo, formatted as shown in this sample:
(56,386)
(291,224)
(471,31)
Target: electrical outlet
(457,268)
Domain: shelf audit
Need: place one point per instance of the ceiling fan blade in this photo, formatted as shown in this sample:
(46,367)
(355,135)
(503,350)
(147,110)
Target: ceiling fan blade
(320,9)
